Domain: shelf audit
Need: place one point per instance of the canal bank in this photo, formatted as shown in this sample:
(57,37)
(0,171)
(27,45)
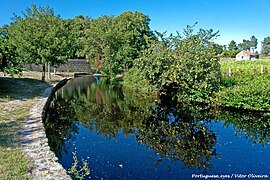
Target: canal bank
(43,162)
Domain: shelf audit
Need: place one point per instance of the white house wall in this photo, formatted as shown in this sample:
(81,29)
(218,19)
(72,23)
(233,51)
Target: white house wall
(242,56)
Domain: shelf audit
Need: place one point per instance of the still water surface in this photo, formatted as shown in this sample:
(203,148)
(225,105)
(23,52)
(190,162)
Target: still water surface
(125,136)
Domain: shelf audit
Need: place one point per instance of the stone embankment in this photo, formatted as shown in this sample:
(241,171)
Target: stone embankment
(43,162)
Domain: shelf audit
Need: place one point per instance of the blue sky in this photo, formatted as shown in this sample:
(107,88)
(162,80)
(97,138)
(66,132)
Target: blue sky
(235,19)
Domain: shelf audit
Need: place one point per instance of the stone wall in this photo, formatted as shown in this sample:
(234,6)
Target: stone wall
(42,161)
(72,65)
(227,59)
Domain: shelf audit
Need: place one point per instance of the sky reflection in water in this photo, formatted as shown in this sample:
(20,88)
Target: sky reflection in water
(125,136)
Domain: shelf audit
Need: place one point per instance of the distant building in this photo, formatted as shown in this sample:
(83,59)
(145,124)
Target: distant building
(246,55)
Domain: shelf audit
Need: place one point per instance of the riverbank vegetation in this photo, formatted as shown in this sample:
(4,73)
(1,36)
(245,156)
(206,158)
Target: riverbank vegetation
(176,130)
(184,66)
(247,87)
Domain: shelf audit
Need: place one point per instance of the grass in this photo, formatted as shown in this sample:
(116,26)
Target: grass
(247,87)
(243,71)
(17,96)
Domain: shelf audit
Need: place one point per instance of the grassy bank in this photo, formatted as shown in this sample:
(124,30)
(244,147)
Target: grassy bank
(248,86)
(17,96)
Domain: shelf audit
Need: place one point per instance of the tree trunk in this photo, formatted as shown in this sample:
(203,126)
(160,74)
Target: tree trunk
(49,71)
(54,71)
(43,72)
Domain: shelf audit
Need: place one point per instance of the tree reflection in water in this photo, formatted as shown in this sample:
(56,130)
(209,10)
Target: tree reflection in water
(177,131)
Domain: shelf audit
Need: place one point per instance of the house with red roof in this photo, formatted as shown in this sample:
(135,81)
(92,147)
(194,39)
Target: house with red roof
(246,55)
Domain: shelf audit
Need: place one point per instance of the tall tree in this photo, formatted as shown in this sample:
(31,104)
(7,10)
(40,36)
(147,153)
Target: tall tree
(266,46)
(245,45)
(101,43)
(8,61)
(218,48)
(253,43)
(249,44)
(232,45)
(112,43)
(40,37)
(77,27)
(135,33)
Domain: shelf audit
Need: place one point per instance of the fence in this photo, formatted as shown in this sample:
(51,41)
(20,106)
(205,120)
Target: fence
(255,70)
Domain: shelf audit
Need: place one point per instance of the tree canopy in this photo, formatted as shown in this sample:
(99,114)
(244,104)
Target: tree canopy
(185,67)
(232,46)
(40,37)
(77,32)
(8,61)
(249,44)
(266,46)
(112,43)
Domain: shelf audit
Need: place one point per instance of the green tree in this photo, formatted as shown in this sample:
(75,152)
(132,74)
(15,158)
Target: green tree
(40,37)
(245,45)
(186,68)
(77,27)
(232,45)
(266,46)
(218,48)
(112,43)
(135,32)
(101,44)
(249,44)
(9,63)
(253,43)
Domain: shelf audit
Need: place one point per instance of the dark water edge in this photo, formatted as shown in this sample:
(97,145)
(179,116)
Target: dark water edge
(125,136)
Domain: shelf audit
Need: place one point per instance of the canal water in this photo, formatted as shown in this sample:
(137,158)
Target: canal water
(123,135)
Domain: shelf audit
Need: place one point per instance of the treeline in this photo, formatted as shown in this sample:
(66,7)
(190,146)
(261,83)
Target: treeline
(232,48)
(109,43)
(185,66)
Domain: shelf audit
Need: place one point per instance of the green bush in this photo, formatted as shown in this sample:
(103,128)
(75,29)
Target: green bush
(253,95)
(185,68)
(133,80)
(229,53)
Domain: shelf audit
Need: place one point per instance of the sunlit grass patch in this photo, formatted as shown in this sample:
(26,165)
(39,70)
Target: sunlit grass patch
(13,165)
(248,87)
(17,95)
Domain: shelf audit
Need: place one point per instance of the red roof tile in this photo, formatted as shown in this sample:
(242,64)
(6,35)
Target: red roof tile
(248,52)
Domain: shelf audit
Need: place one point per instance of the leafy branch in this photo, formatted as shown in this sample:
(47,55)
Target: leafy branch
(77,171)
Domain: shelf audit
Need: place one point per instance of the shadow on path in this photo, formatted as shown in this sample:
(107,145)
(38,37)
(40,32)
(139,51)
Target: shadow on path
(21,88)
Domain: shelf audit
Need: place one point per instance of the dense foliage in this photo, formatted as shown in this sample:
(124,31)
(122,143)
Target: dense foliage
(77,27)
(186,68)
(229,53)
(249,44)
(9,63)
(266,46)
(248,87)
(232,45)
(40,37)
(112,43)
